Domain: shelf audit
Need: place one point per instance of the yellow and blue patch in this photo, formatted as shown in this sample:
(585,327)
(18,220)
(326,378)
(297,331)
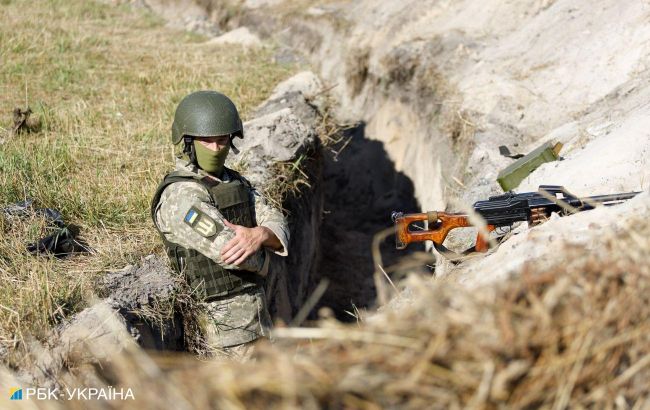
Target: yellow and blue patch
(202,223)
(191,216)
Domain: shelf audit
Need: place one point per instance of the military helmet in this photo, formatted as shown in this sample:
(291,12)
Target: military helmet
(206,114)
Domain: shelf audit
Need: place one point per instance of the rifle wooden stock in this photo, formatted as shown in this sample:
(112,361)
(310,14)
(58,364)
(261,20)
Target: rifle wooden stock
(439,226)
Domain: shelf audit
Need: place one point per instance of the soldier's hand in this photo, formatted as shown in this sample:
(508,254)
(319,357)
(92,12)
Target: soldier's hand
(246,242)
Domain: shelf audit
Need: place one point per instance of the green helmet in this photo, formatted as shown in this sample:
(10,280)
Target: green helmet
(206,114)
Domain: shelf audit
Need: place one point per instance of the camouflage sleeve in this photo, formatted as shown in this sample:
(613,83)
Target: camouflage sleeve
(186,217)
(272,218)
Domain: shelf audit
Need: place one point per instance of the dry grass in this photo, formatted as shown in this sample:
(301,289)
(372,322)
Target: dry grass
(575,335)
(105,81)
(292,179)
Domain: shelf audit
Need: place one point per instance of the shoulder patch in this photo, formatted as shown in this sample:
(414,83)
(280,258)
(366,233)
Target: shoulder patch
(201,222)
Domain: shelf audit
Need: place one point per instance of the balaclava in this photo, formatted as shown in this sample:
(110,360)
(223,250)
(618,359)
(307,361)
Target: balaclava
(211,161)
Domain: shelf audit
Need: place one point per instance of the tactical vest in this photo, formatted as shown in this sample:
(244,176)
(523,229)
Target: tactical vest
(208,278)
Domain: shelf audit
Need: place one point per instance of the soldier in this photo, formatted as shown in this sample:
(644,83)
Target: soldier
(215,227)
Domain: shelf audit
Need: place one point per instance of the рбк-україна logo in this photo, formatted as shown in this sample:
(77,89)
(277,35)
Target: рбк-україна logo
(15,393)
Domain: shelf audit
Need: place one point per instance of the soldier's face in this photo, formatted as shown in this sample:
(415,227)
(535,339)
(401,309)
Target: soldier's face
(213,143)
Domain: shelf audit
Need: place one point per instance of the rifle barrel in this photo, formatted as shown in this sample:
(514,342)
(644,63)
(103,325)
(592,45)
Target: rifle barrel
(612,197)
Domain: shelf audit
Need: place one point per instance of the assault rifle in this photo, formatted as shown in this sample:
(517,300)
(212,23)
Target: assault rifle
(499,211)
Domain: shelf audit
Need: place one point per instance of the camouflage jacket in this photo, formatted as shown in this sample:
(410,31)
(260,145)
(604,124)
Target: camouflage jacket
(178,198)
(245,324)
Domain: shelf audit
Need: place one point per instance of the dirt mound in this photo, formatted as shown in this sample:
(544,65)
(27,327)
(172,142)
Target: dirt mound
(151,299)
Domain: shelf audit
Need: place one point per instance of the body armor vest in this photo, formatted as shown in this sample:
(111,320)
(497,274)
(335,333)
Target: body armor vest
(208,278)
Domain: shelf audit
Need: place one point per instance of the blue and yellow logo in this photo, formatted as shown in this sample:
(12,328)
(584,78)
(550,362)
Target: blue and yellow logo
(15,393)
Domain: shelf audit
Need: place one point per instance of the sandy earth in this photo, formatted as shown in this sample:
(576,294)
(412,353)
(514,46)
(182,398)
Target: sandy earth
(520,73)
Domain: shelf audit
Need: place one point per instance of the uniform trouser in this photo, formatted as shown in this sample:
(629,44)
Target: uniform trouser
(235,322)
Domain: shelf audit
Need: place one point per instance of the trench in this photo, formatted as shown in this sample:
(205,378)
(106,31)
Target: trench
(361,188)
(356,184)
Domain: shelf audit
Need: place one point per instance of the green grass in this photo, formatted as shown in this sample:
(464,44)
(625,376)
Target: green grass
(105,81)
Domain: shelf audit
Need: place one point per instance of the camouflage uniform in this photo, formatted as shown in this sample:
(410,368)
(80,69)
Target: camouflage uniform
(236,320)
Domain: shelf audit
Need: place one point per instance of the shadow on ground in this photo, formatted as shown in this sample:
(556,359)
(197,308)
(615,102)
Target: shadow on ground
(361,189)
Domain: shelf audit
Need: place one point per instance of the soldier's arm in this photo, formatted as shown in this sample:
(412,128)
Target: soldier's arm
(271,232)
(247,241)
(186,217)
(272,219)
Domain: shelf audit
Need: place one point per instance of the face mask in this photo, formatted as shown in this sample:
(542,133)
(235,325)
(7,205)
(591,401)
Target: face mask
(211,161)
